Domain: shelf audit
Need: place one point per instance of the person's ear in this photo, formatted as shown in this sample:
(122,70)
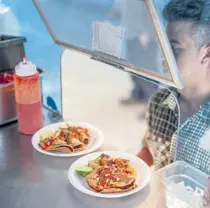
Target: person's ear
(205,55)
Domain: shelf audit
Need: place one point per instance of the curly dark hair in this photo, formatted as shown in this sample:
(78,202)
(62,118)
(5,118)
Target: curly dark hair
(195,11)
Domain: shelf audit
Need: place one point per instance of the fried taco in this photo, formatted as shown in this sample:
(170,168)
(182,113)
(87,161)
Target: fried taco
(53,145)
(66,139)
(98,161)
(112,176)
(77,145)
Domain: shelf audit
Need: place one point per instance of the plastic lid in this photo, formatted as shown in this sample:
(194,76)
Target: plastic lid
(25,69)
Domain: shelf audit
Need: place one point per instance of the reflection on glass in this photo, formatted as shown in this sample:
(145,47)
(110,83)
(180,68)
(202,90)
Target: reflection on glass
(93,96)
(185,137)
(141,45)
(120,31)
(188,30)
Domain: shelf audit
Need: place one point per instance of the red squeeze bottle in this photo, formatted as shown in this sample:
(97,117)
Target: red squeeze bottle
(28,97)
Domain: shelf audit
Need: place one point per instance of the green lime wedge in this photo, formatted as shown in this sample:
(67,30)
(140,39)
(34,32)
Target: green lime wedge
(84,171)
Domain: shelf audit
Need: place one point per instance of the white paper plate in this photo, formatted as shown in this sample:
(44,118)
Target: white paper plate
(96,137)
(143,174)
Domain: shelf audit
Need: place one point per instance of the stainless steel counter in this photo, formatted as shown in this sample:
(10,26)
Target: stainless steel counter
(29,179)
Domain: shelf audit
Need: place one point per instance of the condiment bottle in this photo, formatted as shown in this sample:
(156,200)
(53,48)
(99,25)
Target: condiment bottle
(28,97)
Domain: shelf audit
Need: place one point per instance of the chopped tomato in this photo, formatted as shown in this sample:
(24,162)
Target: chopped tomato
(44,147)
(6,77)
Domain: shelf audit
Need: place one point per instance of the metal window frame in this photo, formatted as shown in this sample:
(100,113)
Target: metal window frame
(163,40)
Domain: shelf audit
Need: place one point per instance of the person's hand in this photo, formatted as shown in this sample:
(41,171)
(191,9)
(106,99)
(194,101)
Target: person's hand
(144,39)
(206,197)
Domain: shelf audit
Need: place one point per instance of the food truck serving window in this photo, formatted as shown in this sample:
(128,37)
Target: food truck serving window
(128,34)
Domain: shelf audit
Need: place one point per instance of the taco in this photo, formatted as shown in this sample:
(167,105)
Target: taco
(66,139)
(77,145)
(56,145)
(98,161)
(112,176)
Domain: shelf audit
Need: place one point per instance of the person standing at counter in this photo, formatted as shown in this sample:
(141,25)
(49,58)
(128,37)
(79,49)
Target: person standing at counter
(141,45)
(188,30)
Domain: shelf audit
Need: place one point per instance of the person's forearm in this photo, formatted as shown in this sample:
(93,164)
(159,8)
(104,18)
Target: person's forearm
(144,153)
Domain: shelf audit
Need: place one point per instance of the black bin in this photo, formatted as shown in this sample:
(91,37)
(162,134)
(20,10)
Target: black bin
(11,51)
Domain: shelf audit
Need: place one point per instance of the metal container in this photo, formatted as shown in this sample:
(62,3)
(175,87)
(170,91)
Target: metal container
(7,102)
(11,51)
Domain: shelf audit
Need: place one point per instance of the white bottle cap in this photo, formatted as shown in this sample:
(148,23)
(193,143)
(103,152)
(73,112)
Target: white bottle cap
(24,69)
